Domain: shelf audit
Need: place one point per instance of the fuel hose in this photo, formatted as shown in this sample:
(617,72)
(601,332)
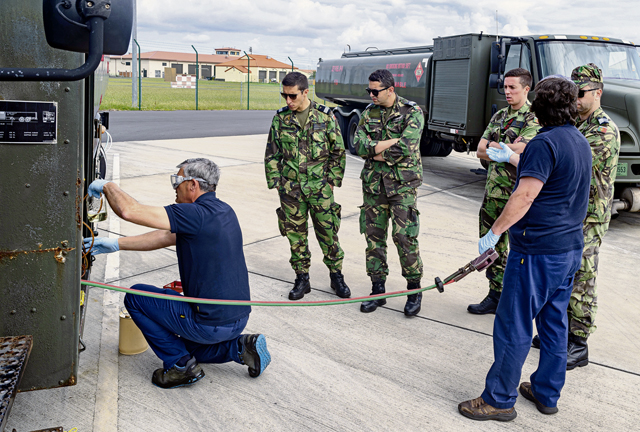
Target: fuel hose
(259,302)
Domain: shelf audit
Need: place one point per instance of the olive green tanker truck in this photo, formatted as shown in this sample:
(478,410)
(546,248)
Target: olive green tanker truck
(458,80)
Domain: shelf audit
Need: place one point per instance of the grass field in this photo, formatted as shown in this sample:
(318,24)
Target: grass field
(212,95)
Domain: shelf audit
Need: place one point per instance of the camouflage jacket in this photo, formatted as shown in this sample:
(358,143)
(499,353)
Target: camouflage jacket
(303,160)
(401,170)
(604,138)
(505,126)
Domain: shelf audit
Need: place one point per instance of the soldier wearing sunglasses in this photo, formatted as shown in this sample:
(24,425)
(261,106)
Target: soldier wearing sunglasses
(388,139)
(604,138)
(304,160)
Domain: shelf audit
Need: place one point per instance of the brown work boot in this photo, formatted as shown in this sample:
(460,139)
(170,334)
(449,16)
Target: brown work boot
(478,409)
(525,390)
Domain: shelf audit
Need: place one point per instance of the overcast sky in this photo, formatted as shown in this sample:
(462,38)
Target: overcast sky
(306,30)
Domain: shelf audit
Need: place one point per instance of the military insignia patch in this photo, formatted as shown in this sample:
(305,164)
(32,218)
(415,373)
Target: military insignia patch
(602,129)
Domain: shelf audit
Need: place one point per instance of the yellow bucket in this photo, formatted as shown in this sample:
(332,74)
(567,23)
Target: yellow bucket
(131,339)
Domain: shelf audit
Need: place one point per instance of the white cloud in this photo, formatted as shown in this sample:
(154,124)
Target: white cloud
(308,29)
(192,37)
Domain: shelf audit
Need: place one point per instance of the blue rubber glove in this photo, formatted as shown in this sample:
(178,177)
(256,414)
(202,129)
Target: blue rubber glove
(500,155)
(95,188)
(102,245)
(487,242)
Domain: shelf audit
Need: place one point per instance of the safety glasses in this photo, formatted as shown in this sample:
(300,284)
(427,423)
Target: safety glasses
(288,95)
(582,92)
(375,92)
(176,180)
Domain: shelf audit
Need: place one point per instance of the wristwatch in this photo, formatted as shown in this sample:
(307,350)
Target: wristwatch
(488,142)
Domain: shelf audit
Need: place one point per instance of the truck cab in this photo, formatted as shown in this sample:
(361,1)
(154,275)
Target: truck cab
(458,82)
(619,60)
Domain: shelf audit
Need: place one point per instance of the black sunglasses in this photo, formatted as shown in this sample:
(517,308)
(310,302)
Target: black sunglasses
(582,92)
(375,92)
(290,96)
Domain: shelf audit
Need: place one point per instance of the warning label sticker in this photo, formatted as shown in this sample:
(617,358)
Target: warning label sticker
(419,72)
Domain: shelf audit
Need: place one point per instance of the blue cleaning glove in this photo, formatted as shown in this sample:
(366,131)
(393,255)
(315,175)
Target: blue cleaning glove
(487,242)
(95,188)
(500,155)
(102,245)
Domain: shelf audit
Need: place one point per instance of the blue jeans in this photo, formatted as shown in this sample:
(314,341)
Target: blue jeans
(534,287)
(172,332)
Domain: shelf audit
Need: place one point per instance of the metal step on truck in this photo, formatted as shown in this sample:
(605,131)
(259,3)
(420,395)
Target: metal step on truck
(458,82)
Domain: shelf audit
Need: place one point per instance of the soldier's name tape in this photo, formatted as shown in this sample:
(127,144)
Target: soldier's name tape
(259,302)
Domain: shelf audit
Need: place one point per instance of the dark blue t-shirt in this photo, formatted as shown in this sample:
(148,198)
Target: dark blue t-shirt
(210,257)
(560,157)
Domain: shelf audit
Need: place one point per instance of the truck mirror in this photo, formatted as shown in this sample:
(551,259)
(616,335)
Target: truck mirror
(96,27)
(66,24)
(496,81)
(495,57)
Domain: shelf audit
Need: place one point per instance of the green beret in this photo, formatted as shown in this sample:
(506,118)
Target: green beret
(587,74)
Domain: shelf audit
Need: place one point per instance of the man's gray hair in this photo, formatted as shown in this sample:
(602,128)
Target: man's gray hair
(204,169)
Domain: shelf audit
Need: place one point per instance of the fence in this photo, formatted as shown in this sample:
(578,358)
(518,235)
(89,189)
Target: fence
(212,95)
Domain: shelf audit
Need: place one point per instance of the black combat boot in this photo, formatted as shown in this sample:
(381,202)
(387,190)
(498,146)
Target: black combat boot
(535,342)
(412,306)
(377,287)
(486,306)
(300,287)
(338,285)
(577,352)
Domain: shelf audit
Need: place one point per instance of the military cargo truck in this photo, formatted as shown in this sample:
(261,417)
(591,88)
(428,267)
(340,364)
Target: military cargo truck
(458,82)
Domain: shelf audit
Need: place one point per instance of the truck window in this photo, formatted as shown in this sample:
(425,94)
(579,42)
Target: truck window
(518,56)
(513,57)
(615,60)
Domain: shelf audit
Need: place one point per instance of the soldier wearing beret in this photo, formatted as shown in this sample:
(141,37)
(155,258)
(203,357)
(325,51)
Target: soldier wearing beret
(604,138)
(304,161)
(388,139)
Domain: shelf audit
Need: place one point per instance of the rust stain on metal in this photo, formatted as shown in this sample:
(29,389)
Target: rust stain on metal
(78,201)
(59,253)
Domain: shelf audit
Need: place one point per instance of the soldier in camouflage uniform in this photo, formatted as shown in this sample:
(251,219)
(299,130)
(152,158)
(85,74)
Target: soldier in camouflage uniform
(388,138)
(514,126)
(304,160)
(604,137)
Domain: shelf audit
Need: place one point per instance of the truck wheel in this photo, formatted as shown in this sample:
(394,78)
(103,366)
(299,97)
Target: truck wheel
(432,148)
(445,150)
(340,120)
(351,133)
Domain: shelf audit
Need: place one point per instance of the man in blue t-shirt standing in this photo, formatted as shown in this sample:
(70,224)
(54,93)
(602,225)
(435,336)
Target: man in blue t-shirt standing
(211,261)
(544,217)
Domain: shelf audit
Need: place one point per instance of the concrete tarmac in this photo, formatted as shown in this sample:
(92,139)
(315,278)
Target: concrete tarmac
(334,368)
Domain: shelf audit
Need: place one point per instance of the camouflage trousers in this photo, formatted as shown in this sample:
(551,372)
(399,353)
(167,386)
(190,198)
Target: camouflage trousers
(374,222)
(325,214)
(489,212)
(584,299)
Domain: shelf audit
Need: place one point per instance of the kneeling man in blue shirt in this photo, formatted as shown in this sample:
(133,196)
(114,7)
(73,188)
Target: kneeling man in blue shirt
(544,217)
(211,261)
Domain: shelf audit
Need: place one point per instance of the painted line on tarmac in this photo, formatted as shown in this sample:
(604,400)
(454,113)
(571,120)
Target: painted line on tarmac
(446,192)
(105,416)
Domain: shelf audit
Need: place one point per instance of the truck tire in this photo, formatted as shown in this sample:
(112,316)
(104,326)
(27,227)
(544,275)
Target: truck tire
(340,120)
(351,133)
(431,148)
(445,150)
